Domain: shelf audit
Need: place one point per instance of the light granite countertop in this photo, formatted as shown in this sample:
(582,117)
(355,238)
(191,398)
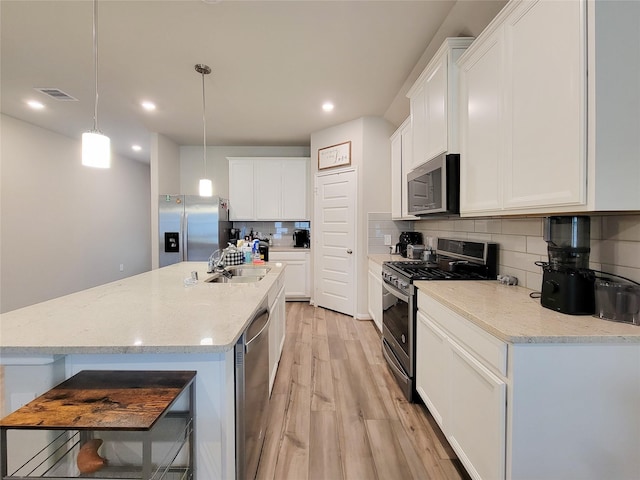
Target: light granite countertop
(386,257)
(153,312)
(510,314)
(288,249)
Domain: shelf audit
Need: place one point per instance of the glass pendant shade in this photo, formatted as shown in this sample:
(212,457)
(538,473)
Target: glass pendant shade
(96,150)
(206,187)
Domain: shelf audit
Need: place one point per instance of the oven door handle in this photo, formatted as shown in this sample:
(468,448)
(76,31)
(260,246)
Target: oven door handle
(395,292)
(394,363)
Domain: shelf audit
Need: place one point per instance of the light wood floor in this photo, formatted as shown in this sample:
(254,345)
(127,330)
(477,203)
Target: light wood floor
(336,412)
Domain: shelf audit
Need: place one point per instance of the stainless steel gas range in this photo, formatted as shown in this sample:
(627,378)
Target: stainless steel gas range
(456,260)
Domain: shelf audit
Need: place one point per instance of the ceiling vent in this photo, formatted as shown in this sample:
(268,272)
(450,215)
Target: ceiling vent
(57,94)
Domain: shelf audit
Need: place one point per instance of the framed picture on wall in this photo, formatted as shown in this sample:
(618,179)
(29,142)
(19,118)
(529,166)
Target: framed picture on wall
(334,156)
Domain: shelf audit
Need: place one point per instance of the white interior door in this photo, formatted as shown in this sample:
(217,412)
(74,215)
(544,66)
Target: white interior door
(335,239)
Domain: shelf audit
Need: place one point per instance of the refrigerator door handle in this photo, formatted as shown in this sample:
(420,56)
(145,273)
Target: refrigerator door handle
(185,236)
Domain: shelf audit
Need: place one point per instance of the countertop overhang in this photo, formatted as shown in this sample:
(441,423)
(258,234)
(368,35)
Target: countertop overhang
(154,312)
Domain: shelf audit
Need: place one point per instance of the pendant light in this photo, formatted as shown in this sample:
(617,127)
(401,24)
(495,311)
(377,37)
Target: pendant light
(206,186)
(96,147)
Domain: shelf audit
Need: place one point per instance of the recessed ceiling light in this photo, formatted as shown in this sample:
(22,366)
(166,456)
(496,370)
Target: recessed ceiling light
(35,104)
(136,148)
(327,106)
(149,106)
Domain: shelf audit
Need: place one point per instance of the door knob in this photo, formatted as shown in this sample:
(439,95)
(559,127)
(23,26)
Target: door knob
(349,251)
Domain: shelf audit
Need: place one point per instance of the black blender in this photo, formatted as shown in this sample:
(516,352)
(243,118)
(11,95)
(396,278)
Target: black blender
(567,281)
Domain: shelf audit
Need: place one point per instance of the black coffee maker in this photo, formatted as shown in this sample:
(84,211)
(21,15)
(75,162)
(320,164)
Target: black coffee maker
(567,281)
(408,238)
(301,238)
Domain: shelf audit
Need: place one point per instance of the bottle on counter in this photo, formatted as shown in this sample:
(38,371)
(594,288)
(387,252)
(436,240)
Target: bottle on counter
(271,239)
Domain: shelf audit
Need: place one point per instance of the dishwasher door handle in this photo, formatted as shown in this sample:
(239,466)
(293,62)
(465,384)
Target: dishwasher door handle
(251,342)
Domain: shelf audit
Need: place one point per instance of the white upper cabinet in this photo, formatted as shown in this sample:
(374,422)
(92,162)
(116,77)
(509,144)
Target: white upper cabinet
(531,117)
(434,106)
(400,165)
(268,188)
(241,193)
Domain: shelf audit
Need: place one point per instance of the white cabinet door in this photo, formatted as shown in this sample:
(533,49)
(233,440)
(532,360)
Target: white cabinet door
(276,335)
(407,158)
(294,189)
(375,293)
(268,188)
(418,106)
(436,119)
(476,428)
(481,137)
(546,91)
(241,191)
(297,273)
(432,363)
(296,279)
(523,118)
(396,174)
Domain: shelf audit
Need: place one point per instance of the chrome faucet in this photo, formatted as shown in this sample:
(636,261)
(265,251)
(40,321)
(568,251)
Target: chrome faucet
(216,265)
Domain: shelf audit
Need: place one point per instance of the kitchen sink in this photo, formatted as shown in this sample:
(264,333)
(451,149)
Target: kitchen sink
(239,275)
(248,271)
(219,278)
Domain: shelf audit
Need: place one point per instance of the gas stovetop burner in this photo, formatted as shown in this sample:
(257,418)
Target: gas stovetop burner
(456,260)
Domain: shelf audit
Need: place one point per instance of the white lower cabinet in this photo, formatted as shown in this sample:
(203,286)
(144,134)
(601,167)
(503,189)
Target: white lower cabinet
(375,293)
(455,365)
(476,427)
(277,329)
(297,274)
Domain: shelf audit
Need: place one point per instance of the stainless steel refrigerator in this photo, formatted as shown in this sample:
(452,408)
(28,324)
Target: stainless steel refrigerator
(191,227)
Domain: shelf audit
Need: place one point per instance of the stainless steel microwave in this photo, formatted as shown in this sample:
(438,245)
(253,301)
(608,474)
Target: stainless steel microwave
(435,186)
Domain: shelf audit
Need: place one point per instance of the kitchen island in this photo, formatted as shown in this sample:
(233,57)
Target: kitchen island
(158,320)
(521,391)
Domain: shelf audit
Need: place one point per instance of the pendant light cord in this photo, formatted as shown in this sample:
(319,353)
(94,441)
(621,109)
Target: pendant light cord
(204,129)
(95,63)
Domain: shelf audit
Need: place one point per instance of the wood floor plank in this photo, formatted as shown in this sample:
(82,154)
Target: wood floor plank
(293,458)
(371,341)
(357,458)
(388,456)
(361,379)
(273,437)
(325,462)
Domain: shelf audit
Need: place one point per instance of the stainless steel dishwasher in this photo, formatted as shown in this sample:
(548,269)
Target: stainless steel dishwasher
(252,393)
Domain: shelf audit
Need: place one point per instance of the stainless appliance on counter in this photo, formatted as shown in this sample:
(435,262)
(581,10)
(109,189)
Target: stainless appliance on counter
(406,239)
(567,281)
(191,227)
(435,186)
(301,238)
(456,260)
(252,393)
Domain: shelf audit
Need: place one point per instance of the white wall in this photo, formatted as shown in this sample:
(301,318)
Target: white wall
(65,227)
(192,164)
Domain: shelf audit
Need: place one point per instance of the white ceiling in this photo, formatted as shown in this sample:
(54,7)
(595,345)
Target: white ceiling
(273,62)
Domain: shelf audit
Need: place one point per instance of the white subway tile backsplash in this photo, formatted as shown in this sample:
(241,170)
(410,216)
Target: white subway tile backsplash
(520,260)
(491,225)
(536,245)
(464,226)
(623,228)
(522,226)
(514,243)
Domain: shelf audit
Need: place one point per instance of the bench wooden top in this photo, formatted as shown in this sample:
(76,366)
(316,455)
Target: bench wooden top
(103,400)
